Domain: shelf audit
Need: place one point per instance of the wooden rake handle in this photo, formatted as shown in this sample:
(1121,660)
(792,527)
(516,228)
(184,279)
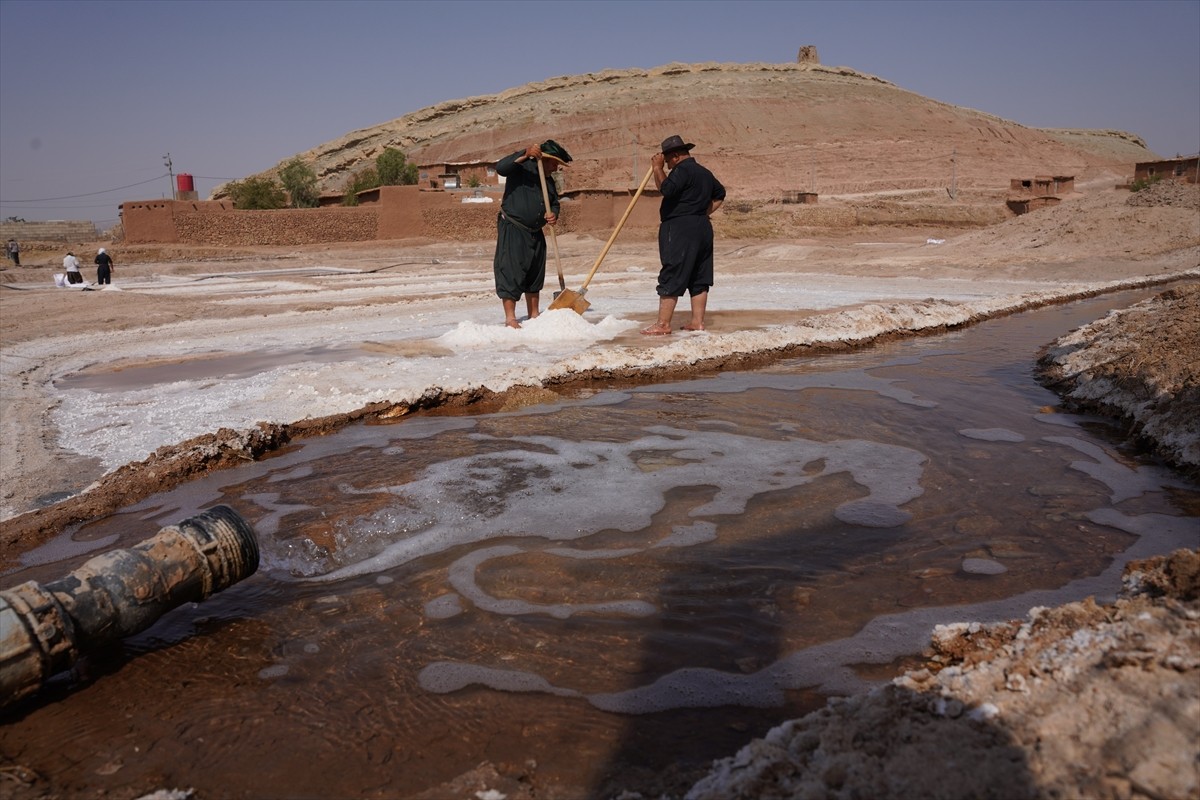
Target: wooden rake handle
(621,224)
(562,282)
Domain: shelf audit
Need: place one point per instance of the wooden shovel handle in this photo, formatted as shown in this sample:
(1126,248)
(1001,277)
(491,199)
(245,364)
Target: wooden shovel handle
(621,224)
(562,282)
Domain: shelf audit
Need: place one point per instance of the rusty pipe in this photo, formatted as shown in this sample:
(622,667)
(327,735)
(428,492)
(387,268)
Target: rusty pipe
(45,629)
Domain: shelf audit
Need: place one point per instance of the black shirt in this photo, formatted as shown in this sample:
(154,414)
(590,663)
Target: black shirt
(523,191)
(688,190)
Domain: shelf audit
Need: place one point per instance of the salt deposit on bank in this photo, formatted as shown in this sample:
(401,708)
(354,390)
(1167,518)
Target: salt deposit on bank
(332,362)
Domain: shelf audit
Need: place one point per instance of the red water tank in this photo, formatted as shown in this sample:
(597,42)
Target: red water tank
(184,181)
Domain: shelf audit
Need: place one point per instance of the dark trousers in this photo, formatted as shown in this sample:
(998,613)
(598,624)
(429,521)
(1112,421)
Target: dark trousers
(520,262)
(685,249)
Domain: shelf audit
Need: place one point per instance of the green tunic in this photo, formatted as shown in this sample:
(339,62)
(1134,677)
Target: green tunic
(520,262)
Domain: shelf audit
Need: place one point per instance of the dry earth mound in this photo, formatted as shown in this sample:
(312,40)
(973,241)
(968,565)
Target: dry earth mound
(764,128)
(1098,224)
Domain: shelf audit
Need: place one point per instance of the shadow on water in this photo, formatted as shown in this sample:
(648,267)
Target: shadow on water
(760,626)
(609,593)
(749,605)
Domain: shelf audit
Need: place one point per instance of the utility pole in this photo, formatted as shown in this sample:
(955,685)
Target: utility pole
(170,174)
(954,174)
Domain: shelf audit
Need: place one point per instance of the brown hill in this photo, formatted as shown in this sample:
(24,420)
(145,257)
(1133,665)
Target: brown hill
(763,128)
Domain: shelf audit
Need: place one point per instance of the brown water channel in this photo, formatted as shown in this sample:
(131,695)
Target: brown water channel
(610,592)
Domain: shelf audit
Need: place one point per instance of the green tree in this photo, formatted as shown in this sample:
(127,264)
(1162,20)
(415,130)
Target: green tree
(359,182)
(394,169)
(257,193)
(300,182)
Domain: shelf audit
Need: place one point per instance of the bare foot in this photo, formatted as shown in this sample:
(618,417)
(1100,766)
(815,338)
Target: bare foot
(692,326)
(657,329)
(512,323)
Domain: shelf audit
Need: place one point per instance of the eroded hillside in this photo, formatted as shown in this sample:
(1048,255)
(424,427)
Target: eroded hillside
(764,128)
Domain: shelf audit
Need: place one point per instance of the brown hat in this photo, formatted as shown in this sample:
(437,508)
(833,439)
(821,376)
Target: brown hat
(673,143)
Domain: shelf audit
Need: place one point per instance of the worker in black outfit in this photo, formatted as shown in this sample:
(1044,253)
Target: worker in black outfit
(520,262)
(690,195)
(104,266)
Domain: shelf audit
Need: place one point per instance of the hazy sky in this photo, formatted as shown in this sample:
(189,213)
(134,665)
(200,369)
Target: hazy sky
(94,94)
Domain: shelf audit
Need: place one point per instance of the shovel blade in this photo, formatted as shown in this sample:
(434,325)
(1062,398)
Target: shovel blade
(572,300)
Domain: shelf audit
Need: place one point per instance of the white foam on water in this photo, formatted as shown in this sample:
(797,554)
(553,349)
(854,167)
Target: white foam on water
(444,606)
(501,493)
(983,566)
(830,667)
(462,578)
(289,556)
(302,471)
(992,434)
(269,525)
(871,515)
(1122,481)
(689,535)
(64,546)
(445,677)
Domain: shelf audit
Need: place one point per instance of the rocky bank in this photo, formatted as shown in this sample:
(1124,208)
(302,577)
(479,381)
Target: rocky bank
(1127,365)
(1079,701)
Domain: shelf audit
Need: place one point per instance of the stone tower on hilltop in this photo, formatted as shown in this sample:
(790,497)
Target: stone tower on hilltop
(808,55)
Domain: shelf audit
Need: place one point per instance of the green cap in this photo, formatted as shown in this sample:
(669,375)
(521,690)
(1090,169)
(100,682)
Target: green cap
(552,149)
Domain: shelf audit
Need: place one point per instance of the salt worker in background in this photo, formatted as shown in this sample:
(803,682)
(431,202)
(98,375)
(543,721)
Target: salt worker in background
(520,262)
(71,265)
(690,195)
(104,267)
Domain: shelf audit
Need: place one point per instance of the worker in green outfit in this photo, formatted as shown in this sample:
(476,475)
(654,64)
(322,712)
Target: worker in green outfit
(520,262)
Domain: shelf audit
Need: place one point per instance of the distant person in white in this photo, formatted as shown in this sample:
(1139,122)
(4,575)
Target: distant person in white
(71,265)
